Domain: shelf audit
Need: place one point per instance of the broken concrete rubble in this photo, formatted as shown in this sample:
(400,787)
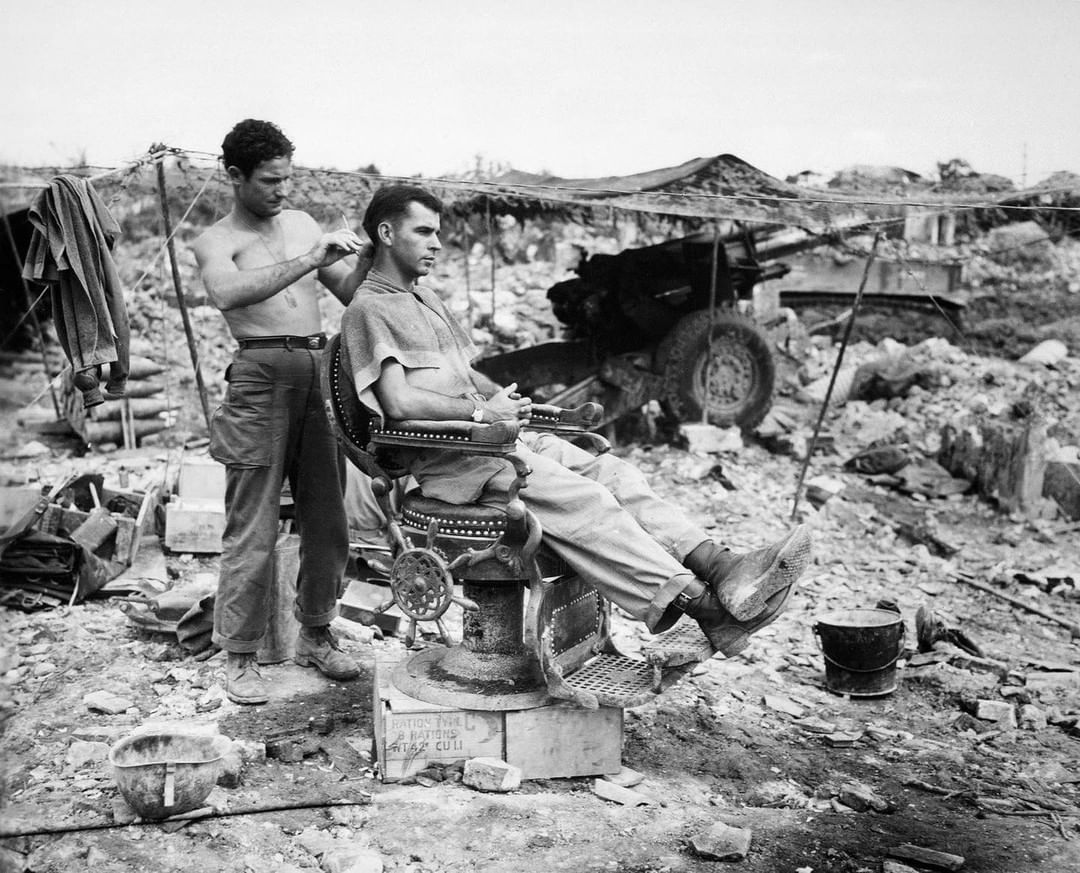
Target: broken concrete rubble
(491,774)
(722,842)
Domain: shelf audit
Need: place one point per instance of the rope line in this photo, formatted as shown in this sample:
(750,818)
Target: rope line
(169,238)
(495,187)
(25,316)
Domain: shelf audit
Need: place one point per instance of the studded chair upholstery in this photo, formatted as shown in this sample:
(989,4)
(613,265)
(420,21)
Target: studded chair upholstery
(493,552)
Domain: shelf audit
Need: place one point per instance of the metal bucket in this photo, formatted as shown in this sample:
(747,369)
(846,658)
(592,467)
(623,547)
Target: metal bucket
(861,648)
(167,772)
(279,642)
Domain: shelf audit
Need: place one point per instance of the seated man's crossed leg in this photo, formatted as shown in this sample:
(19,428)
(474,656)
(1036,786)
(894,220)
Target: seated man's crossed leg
(600,515)
(409,359)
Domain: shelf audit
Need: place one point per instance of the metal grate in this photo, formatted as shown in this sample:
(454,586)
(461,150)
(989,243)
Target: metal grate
(683,644)
(613,677)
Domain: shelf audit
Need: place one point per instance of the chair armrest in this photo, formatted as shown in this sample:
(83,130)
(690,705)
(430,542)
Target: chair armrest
(496,438)
(558,419)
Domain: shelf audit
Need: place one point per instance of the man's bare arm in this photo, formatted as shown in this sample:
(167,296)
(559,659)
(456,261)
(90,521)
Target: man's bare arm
(343,278)
(229,287)
(400,399)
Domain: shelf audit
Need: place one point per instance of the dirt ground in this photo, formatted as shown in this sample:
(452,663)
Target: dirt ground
(717,747)
(747,741)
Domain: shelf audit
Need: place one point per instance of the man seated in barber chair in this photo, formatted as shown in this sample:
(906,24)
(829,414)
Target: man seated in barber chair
(409,359)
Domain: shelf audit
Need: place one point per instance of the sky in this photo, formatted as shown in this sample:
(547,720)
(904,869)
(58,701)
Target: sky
(579,88)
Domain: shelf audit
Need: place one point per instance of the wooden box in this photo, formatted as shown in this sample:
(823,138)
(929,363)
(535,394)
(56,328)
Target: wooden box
(559,740)
(360,600)
(201,479)
(194,525)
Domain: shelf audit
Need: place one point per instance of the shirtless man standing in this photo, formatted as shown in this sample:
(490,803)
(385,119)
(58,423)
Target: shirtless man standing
(259,264)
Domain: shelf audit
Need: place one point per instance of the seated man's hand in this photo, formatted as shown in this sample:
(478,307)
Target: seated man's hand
(507,404)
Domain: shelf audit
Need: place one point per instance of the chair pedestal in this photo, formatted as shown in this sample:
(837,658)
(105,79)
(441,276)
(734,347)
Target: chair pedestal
(491,669)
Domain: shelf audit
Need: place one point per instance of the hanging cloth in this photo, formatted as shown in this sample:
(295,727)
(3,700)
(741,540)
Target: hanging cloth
(71,252)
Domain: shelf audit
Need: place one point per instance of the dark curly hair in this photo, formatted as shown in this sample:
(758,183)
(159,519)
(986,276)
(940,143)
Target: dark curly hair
(392,202)
(251,142)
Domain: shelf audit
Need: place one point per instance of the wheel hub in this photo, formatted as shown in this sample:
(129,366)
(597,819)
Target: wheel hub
(730,375)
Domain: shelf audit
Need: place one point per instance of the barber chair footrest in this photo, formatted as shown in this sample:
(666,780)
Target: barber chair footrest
(685,644)
(614,680)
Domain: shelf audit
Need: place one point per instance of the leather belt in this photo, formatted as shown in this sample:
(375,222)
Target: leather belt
(315,341)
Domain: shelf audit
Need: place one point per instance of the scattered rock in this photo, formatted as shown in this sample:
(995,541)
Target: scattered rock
(81,753)
(626,778)
(491,774)
(250,751)
(315,842)
(107,702)
(862,798)
(1032,718)
(784,704)
(231,769)
(1046,353)
(1000,712)
(927,857)
(618,794)
(1053,680)
(842,739)
(778,794)
(707,439)
(722,842)
(122,813)
(891,866)
(352,861)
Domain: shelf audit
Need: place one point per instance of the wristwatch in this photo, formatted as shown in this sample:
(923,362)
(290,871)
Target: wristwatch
(478,412)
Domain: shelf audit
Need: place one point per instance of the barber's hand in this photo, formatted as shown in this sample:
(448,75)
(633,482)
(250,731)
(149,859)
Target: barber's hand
(334,246)
(507,404)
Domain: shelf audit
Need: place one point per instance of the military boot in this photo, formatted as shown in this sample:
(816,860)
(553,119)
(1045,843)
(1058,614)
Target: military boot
(317,647)
(726,634)
(745,582)
(243,681)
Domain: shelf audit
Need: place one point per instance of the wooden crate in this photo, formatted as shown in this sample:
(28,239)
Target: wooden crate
(564,740)
(201,478)
(360,600)
(559,740)
(194,525)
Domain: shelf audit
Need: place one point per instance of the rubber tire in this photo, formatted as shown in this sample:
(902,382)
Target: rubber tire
(746,365)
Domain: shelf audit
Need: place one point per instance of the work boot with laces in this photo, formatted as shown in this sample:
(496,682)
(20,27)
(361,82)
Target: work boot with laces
(243,681)
(745,582)
(726,634)
(317,647)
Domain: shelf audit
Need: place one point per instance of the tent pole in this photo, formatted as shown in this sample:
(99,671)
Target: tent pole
(30,303)
(179,288)
(712,324)
(491,252)
(467,244)
(836,369)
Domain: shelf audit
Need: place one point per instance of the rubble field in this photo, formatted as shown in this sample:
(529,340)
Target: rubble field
(974,759)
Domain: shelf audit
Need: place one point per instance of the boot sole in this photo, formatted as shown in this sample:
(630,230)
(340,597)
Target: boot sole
(302,661)
(774,613)
(784,571)
(247,701)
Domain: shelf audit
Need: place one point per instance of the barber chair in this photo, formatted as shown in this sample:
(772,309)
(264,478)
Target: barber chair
(514,654)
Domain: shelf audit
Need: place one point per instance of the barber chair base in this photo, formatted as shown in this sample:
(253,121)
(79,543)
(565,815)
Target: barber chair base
(549,741)
(457,677)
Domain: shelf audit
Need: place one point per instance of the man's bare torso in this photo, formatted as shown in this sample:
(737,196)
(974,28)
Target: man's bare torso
(295,309)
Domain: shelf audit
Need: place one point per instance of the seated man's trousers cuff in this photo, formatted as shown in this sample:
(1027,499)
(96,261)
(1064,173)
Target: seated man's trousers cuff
(660,614)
